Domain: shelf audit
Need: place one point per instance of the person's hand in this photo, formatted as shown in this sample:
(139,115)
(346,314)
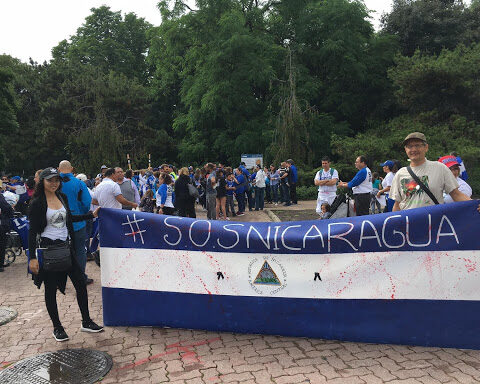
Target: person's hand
(34,267)
(478,209)
(134,205)
(95,213)
(379,194)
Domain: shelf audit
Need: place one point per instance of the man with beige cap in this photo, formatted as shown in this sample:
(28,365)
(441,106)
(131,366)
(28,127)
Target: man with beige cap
(422,183)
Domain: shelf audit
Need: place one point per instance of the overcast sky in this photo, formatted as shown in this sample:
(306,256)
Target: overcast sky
(31,28)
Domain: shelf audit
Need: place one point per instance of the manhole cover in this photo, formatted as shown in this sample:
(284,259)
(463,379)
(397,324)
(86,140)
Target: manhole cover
(68,366)
(7,314)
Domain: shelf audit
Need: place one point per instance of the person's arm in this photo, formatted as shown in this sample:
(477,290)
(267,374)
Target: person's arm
(383,191)
(124,201)
(86,198)
(358,179)
(456,195)
(396,206)
(135,190)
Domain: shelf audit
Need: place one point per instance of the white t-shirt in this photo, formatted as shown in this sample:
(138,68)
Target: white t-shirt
(387,181)
(260,179)
(366,185)
(56,228)
(435,175)
(106,193)
(326,175)
(462,187)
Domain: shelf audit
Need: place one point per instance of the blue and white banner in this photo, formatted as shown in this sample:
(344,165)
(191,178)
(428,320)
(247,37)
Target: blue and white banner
(410,277)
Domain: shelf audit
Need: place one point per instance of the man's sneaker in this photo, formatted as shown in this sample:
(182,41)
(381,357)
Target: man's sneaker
(88,281)
(90,326)
(59,334)
(240,214)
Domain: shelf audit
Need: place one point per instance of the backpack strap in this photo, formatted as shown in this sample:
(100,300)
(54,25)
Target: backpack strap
(422,186)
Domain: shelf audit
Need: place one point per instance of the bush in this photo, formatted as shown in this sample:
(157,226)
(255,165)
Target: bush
(307,193)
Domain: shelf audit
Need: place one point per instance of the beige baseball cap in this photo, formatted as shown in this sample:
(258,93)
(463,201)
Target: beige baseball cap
(415,135)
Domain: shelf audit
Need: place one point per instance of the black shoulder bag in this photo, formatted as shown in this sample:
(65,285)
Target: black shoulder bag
(57,257)
(422,186)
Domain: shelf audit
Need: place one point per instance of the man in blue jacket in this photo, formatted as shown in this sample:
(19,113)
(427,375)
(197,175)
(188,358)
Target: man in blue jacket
(361,186)
(79,201)
(293,174)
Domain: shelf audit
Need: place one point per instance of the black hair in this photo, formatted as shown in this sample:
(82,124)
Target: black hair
(326,158)
(129,174)
(363,159)
(109,172)
(396,166)
(327,206)
(167,179)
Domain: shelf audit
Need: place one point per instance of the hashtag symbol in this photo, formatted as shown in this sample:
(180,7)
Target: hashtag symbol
(134,232)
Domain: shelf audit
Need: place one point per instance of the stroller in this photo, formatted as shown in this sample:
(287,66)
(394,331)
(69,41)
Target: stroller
(17,238)
(342,206)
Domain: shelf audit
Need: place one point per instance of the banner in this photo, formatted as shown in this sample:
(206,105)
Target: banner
(410,277)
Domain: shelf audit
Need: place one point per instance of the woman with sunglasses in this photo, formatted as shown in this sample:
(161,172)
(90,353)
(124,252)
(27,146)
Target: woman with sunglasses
(51,224)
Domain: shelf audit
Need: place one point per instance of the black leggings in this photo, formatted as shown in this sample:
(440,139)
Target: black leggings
(50,282)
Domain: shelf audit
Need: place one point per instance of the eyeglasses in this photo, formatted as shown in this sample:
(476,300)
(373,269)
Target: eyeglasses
(414,146)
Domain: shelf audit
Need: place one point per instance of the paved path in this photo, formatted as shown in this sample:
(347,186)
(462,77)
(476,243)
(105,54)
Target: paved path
(156,355)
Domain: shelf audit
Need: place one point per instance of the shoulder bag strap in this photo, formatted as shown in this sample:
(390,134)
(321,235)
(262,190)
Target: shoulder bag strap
(422,186)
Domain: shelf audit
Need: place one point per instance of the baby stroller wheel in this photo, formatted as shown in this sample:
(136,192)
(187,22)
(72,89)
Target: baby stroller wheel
(17,251)
(9,257)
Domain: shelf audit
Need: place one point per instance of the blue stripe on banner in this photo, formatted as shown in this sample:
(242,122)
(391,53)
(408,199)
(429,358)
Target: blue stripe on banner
(438,228)
(415,322)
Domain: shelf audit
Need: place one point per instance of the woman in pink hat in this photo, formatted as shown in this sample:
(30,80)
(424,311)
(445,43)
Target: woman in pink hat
(452,163)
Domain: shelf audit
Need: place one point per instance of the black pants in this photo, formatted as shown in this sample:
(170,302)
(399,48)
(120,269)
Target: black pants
(3,244)
(50,281)
(362,203)
(186,210)
(293,192)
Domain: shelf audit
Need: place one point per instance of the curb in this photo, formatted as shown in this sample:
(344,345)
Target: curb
(272,216)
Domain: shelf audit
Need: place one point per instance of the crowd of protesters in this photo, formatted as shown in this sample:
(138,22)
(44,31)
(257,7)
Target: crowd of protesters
(225,192)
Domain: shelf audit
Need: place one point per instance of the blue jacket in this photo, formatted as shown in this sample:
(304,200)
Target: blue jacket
(293,169)
(79,199)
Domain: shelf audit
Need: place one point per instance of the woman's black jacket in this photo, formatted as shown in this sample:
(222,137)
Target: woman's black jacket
(6,213)
(37,216)
(182,195)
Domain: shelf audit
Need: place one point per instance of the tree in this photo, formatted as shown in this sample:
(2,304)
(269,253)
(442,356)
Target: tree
(427,25)
(108,42)
(8,120)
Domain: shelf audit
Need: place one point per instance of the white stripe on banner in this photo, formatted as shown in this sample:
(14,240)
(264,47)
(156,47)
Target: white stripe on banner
(434,275)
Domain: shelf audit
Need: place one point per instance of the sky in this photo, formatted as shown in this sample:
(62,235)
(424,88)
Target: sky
(31,28)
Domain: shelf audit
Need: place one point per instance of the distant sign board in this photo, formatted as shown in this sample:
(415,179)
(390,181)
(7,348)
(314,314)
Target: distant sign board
(250,160)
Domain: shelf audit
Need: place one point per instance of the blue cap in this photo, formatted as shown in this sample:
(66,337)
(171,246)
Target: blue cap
(16,178)
(388,163)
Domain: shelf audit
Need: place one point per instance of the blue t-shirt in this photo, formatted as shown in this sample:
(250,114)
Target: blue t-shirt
(230,184)
(241,180)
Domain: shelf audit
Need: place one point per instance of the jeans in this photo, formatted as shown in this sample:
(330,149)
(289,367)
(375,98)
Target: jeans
(259,198)
(250,200)
(230,205)
(211,206)
(80,250)
(274,190)
(241,201)
(285,193)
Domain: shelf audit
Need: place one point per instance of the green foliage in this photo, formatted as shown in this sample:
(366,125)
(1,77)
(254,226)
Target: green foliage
(8,119)
(307,193)
(430,25)
(294,79)
(448,83)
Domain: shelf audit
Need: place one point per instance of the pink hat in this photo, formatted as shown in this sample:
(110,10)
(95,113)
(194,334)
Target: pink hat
(449,161)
